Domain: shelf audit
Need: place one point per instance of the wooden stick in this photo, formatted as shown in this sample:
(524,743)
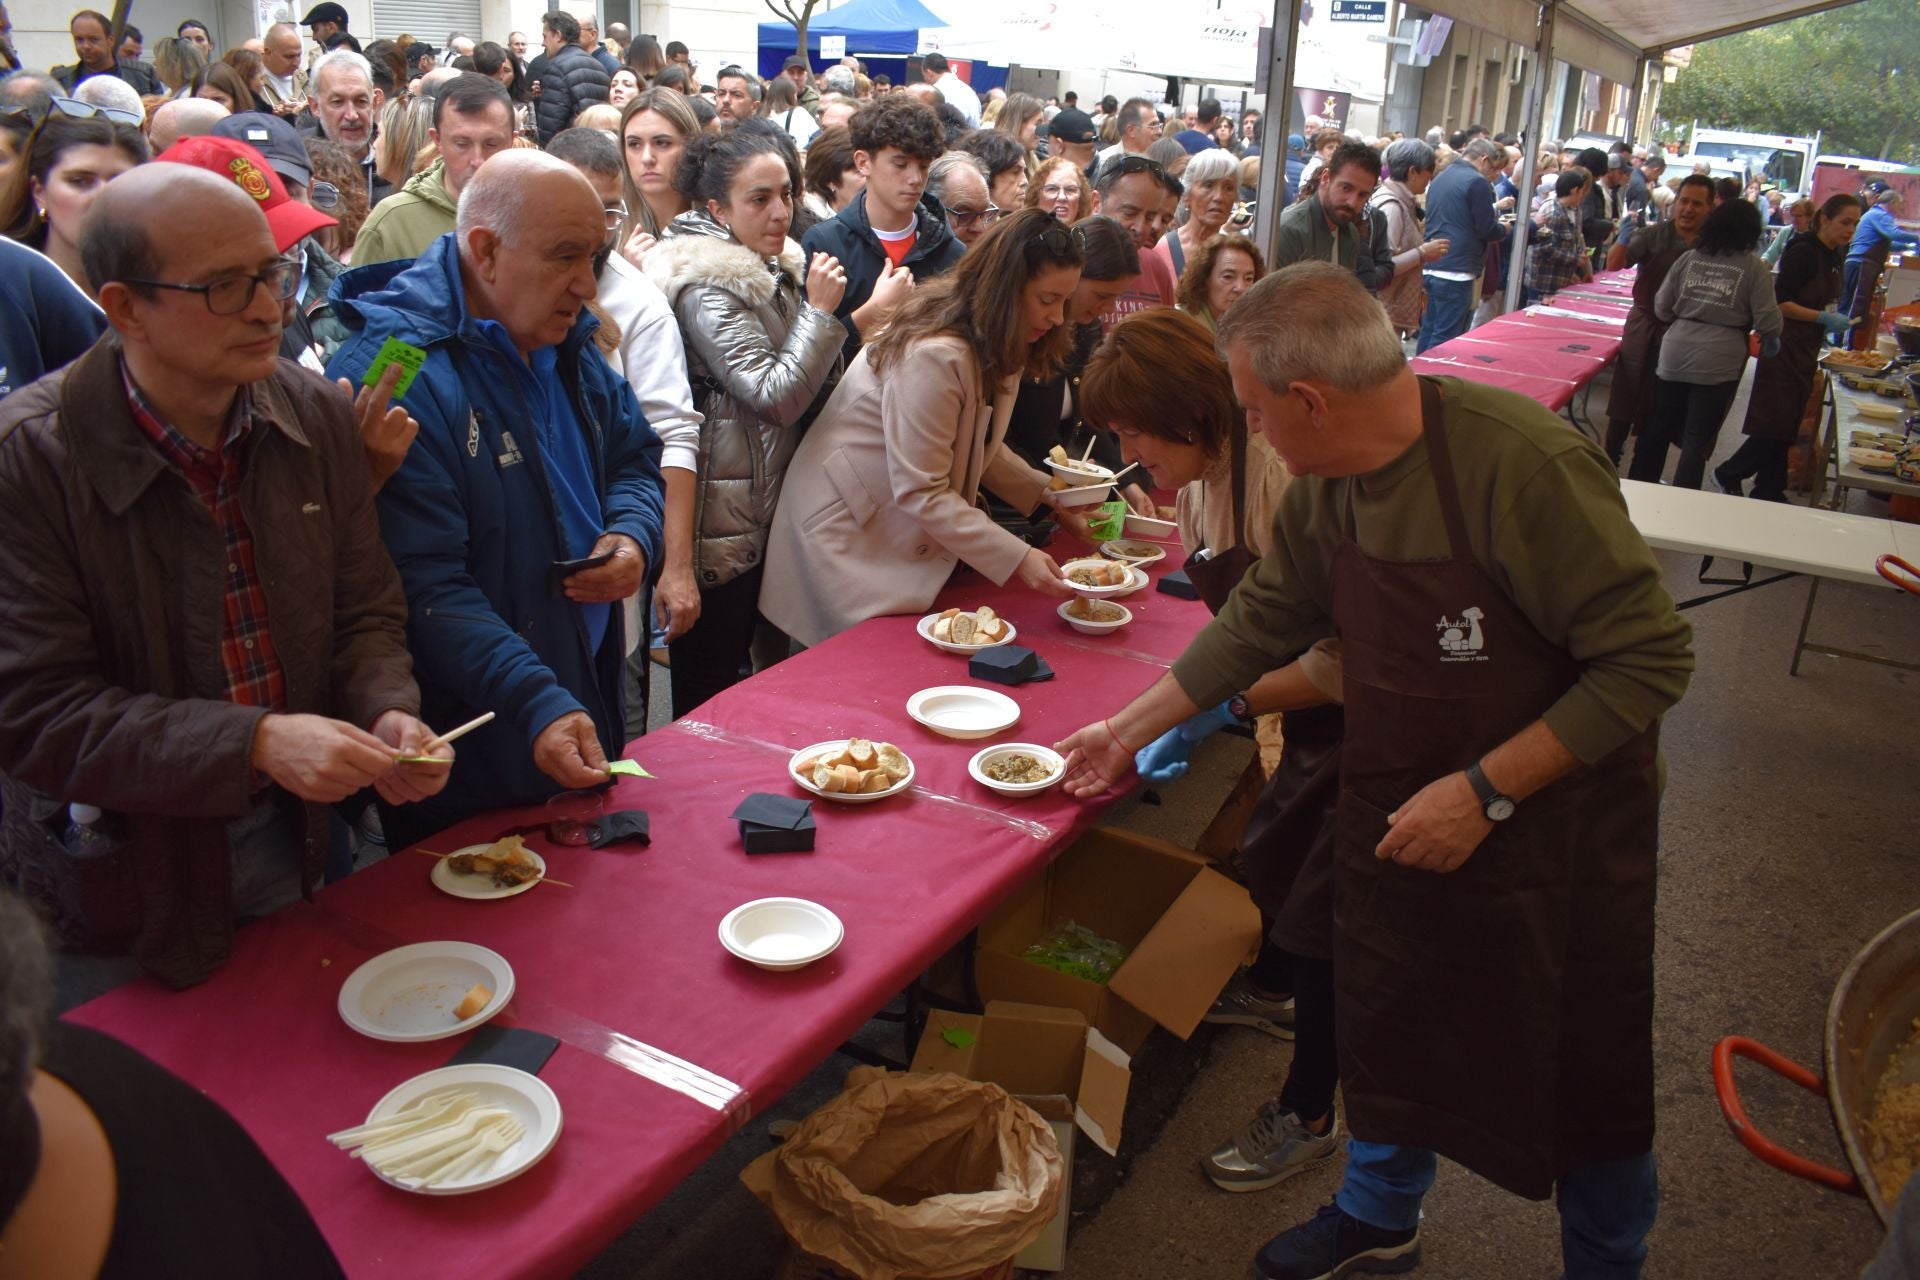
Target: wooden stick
(544,877)
(442,740)
(1089,452)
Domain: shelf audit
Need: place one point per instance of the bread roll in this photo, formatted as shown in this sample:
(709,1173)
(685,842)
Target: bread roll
(845,778)
(963,629)
(822,775)
(473,1002)
(860,754)
(893,761)
(875,780)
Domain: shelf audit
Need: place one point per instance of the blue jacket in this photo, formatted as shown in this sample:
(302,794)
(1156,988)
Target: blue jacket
(1877,225)
(46,323)
(1460,211)
(473,525)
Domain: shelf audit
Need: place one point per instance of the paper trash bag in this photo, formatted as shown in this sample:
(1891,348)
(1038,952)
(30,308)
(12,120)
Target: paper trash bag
(921,1175)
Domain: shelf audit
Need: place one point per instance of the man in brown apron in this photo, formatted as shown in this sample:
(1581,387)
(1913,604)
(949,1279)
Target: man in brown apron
(1509,650)
(1654,250)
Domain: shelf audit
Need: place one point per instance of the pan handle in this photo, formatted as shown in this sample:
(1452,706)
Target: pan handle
(1750,1137)
(1891,568)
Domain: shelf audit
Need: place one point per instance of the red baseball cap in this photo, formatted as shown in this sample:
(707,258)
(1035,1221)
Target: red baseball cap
(290,221)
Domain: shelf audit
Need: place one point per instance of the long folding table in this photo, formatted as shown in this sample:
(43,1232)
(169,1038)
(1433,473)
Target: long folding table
(668,1044)
(1810,541)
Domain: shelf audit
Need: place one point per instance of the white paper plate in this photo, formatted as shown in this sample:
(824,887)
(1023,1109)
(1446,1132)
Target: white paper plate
(408,994)
(1150,527)
(781,933)
(532,1103)
(842,797)
(1094,628)
(963,711)
(1083,473)
(1097,592)
(977,767)
(1082,495)
(1141,552)
(480,888)
(925,628)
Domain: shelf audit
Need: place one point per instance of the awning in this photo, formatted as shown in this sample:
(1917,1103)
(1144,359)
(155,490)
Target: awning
(1656,25)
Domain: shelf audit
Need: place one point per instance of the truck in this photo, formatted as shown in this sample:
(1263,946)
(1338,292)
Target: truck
(1835,175)
(1776,159)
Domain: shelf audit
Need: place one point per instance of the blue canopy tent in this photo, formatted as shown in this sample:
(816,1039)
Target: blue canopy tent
(881,33)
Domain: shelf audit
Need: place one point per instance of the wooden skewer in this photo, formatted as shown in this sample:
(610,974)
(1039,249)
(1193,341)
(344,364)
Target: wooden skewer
(543,878)
(1089,452)
(442,740)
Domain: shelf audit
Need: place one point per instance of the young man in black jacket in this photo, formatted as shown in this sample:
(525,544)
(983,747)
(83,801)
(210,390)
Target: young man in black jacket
(570,81)
(893,233)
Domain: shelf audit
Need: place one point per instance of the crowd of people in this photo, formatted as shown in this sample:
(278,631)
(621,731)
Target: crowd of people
(491,380)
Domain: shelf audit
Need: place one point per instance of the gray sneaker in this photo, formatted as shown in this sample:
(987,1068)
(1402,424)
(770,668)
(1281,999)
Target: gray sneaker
(1241,1005)
(1271,1149)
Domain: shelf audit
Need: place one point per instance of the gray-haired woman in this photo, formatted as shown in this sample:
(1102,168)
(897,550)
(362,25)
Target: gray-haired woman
(1410,165)
(1213,184)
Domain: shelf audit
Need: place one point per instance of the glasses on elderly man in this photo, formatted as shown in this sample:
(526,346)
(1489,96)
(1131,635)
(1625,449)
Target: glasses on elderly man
(231,295)
(963,217)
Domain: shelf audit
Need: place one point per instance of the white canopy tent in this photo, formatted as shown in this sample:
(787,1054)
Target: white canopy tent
(1199,42)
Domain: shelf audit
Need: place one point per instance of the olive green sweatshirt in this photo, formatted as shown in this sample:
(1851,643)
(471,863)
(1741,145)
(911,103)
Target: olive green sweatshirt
(1545,518)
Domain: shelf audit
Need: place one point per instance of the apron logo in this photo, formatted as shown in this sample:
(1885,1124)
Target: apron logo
(1461,639)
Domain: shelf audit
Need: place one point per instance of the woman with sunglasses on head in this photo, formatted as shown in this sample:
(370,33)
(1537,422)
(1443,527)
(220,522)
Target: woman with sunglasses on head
(68,159)
(655,129)
(880,499)
(759,354)
(1047,411)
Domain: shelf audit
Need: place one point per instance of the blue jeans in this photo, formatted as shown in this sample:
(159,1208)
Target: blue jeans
(1449,311)
(1606,1209)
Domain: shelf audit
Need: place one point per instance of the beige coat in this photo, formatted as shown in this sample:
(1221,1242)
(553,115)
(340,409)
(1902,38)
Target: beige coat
(1204,507)
(879,500)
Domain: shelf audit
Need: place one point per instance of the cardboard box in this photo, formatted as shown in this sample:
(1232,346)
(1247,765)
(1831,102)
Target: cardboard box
(1186,928)
(1054,1062)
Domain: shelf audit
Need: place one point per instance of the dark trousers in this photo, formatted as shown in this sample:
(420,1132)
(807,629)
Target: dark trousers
(1765,461)
(714,654)
(1315,1071)
(1618,429)
(1689,416)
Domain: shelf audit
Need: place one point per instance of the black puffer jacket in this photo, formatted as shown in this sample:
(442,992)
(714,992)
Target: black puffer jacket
(571,82)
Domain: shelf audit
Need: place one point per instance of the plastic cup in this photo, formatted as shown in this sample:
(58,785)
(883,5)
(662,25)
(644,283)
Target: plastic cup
(571,813)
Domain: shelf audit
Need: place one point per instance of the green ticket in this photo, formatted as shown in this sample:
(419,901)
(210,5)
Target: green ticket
(393,351)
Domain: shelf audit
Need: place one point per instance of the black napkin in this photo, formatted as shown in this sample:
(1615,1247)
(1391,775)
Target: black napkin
(1178,584)
(516,1047)
(775,824)
(624,824)
(1009,664)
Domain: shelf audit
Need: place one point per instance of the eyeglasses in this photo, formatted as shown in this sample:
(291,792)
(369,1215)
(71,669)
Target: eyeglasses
(234,294)
(1059,239)
(77,109)
(1054,191)
(324,195)
(968,217)
(616,216)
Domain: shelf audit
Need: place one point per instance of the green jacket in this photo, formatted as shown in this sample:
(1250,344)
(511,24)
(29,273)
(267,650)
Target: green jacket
(406,222)
(1304,236)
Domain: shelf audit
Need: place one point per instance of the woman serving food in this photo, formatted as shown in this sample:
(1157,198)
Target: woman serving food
(879,501)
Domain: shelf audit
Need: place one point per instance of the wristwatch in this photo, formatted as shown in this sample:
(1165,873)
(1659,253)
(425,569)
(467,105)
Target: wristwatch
(1240,709)
(1496,806)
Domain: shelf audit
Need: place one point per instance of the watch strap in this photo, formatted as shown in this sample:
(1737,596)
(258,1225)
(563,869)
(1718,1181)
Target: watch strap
(1483,786)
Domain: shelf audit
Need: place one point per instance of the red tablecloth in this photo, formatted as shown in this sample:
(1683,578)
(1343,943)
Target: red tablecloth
(1544,357)
(624,965)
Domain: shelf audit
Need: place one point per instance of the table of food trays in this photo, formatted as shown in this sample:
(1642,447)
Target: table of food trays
(667,1042)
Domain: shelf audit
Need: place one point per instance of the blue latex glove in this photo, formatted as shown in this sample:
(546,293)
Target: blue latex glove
(1770,346)
(1165,758)
(1836,323)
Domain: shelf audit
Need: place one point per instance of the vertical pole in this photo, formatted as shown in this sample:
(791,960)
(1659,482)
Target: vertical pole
(1533,135)
(1634,98)
(1273,125)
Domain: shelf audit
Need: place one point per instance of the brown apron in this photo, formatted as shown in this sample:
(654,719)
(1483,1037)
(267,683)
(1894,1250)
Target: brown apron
(1782,384)
(1500,1014)
(1631,396)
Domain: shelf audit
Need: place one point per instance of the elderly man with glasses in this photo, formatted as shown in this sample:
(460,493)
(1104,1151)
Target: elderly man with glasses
(208,641)
(958,181)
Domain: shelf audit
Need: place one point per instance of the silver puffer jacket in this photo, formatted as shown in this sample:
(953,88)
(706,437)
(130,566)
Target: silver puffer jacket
(758,357)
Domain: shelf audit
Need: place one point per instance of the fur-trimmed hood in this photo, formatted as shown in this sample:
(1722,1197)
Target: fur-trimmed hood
(694,249)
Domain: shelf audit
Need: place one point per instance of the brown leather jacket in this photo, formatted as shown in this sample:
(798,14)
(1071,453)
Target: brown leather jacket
(111,687)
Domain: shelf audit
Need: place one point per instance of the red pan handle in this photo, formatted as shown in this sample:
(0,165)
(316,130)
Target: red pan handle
(1751,1138)
(1889,566)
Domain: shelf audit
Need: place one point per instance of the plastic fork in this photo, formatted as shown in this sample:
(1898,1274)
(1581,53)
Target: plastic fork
(492,1145)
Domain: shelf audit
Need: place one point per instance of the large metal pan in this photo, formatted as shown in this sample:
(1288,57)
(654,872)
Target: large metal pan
(1871,1014)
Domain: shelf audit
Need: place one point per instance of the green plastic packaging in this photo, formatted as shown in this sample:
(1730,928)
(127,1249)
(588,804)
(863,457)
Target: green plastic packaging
(1108,520)
(1077,950)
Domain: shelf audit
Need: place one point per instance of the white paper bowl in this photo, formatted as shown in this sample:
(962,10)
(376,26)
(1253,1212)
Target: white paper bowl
(925,628)
(834,747)
(1140,580)
(1151,527)
(1080,472)
(781,933)
(1083,496)
(480,888)
(408,994)
(963,711)
(1097,592)
(1094,628)
(977,767)
(1133,551)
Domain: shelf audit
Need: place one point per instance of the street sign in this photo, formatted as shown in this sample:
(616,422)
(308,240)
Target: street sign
(834,48)
(1359,10)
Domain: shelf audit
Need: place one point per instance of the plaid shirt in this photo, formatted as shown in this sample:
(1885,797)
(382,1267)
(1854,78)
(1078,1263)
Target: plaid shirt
(253,670)
(1555,257)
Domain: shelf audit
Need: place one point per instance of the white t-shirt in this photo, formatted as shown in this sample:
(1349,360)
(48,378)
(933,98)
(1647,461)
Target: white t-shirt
(961,95)
(800,126)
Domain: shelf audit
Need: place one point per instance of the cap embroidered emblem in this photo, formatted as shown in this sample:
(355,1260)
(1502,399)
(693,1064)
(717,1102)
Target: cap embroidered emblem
(249,178)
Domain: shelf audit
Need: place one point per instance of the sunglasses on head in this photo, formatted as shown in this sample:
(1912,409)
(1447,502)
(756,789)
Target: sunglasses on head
(1121,166)
(81,110)
(1059,239)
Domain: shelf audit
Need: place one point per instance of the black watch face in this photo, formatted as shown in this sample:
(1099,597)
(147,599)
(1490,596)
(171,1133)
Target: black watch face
(1499,809)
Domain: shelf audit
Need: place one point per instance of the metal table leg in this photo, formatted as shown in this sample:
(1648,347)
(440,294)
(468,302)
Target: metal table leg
(1800,641)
